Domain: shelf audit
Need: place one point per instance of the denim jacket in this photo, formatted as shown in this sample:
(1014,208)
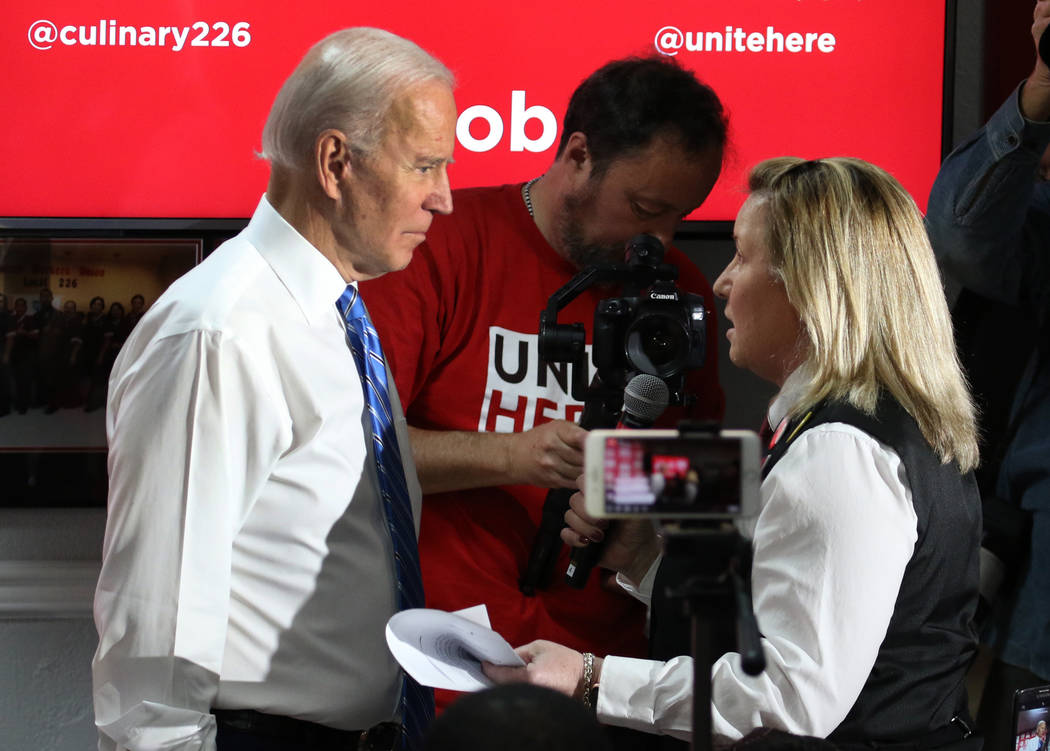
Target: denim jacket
(989,222)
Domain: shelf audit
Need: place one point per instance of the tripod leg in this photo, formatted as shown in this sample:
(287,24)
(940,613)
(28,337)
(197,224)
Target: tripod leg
(702,662)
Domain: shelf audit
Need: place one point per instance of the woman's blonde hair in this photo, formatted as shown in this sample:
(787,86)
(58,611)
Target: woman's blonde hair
(848,242)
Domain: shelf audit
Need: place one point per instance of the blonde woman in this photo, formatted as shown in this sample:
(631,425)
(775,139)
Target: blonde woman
(865,550)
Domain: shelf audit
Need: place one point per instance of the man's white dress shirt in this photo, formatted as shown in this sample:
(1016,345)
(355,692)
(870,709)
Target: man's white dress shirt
(835,533)
(1035,743)
(247,562)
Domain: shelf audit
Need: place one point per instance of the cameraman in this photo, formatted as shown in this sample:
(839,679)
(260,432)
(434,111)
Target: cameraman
(865,549)
(641,147)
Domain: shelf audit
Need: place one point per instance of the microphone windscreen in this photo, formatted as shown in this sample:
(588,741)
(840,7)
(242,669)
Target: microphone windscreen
(645,398)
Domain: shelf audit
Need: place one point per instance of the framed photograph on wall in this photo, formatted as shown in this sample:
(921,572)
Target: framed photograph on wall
(66,307)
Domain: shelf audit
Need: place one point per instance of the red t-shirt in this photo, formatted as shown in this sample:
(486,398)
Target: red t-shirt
(459,329)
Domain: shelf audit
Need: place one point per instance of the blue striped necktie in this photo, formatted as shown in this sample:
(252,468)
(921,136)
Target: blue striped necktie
(417,702)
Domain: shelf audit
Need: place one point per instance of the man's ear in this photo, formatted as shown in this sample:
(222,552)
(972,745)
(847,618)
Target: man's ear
(576,157)
(333,161)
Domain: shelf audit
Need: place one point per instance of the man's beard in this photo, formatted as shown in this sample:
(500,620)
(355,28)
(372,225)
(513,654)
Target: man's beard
(574,246)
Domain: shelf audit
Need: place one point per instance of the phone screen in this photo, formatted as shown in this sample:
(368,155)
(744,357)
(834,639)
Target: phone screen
(1031,719)
(672,476)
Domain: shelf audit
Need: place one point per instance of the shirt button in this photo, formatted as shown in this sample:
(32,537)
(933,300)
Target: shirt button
(1012,139)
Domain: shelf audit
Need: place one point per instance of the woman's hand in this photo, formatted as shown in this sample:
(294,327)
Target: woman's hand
(546,664)
(631,545)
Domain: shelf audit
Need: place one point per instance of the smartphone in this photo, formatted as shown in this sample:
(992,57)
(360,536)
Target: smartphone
(1031,718)
(663,474)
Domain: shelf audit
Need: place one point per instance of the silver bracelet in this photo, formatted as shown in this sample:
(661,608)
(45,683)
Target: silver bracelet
(588,678)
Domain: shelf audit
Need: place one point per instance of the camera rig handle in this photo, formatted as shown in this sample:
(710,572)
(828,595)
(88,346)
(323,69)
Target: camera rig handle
(600,410)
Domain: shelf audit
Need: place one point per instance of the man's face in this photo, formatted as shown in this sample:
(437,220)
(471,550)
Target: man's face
(649,191)
(137,304)
(45,298)
(69,308)
(1041,731)
(392,194)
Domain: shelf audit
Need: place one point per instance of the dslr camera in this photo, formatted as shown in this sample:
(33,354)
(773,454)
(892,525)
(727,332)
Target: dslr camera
(653,327)
(660,332)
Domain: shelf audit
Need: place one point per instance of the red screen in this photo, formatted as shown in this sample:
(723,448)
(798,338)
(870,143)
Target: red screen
(130,109)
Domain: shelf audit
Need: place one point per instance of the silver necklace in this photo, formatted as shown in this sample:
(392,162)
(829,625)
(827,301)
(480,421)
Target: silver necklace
(527,195)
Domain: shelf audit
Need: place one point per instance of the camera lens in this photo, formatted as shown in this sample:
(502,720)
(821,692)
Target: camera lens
(657,344)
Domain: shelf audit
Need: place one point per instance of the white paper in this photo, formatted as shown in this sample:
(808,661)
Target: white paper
(445,650)
(478,614)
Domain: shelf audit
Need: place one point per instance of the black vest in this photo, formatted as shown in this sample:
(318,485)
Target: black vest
(917,683)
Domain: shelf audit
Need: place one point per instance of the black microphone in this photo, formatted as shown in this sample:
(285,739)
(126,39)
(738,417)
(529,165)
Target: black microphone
(644,399)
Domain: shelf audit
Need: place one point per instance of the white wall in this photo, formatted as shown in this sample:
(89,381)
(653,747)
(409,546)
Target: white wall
(48,566)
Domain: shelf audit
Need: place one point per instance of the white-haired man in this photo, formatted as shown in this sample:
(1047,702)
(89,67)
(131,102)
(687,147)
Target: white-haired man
(1038,741)
(260,528)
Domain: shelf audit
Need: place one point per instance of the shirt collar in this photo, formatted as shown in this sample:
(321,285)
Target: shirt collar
(311,279)
(787,397)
